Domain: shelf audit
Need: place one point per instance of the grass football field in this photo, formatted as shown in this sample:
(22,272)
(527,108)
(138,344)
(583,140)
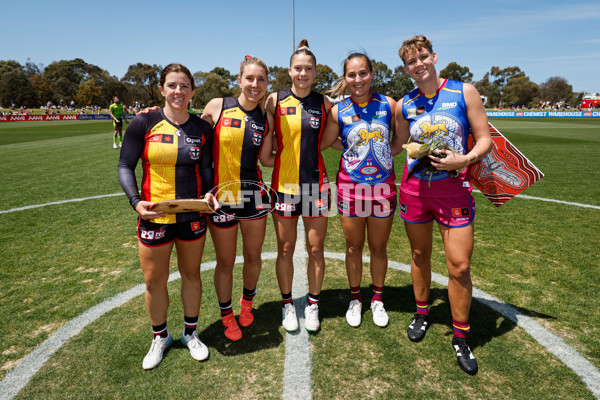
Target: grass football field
(60,260)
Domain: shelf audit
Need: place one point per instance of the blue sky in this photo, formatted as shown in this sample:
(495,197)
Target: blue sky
(544,38)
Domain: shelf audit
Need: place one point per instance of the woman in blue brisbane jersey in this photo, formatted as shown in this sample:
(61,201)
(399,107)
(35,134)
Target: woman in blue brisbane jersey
(447,111)
(364,122)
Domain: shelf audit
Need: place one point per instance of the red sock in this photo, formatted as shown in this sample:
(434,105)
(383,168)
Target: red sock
(377,293)
(355,293)
(461,328)
(422,307)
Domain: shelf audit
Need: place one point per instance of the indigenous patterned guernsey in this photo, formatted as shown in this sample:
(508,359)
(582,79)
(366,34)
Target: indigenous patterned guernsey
(299,125)
(367,158)
(238,140)
(441,116)
(176,161)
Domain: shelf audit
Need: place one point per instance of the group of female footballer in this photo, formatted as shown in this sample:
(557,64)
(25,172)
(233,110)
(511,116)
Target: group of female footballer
(216,156)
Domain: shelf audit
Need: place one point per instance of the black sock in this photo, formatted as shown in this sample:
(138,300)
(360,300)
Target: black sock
(190,324)
(160,330)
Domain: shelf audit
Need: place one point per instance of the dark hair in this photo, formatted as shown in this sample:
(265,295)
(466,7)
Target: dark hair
(304,49)
(415,43)
(340,87)
(174,67)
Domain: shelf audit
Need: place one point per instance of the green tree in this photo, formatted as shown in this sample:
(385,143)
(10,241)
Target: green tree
(502,76)
(325,79)
(279,79)
(456,72)
(488,89)
(147,77)
(210,85)
(14,85)
(88,93)
(556,89)
(65,76)
(400,85)
(382,78)
(520,91)
(42,89)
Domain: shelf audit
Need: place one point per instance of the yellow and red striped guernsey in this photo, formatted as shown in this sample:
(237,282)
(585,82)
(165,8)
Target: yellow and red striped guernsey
(238,141)
(173,162)
(299,125)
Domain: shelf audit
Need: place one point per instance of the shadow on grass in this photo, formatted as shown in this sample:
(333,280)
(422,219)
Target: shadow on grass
(486,324)
(263,334)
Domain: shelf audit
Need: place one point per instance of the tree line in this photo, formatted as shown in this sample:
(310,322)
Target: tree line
(32,85)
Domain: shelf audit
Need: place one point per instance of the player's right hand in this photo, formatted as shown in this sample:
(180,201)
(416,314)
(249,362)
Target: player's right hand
(143,208)
(147,110)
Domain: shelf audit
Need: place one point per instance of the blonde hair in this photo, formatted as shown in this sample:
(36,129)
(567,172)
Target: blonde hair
(253,60)
(304,49)
(415,43)
(339,89)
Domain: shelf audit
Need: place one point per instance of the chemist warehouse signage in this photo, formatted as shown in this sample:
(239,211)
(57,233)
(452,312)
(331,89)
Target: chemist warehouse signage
(545,114)
(81,117)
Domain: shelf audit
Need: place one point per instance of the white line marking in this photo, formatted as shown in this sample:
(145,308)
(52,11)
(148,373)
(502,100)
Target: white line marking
(59,202)
(296,373)
(569,203)
(19,376)
(297,368)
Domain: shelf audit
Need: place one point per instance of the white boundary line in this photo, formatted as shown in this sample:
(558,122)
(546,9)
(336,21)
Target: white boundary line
(297,370)
(19,376)
(520,196)
(297,367)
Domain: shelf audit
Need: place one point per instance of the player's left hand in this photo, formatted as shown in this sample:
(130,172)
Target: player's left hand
(212,202)
(452,161)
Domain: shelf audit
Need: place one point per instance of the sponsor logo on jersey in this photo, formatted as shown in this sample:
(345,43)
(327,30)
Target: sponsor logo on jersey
(166,138)
(315,122)
(285,207)
(344,205)
(195,225)
(256,127)
(190,140)
(461,212)
(314,111)
(222,218)
(194,153)
(152,235)
(448,105)
(178,132)
(421,110)
(411,112)
(351,119)
(403,208)
(232,122)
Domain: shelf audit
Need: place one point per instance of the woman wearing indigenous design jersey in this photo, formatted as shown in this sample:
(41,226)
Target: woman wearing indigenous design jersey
(300,183)
(175,150)
(366,181)
(242,136)
(440,110)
